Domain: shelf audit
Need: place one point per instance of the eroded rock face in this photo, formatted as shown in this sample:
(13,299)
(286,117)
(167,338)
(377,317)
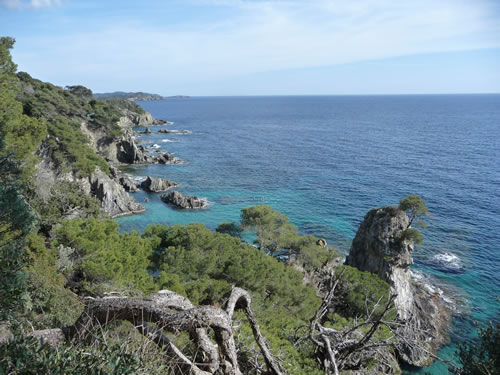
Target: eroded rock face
(153,184)
(114,199)
(183,201)
(377,248)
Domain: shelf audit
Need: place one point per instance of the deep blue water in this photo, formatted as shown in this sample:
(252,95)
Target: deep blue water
(326,160)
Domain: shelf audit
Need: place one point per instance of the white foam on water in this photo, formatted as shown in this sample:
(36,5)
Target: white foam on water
(155,146)
(448,260)
(431,287)
(166,140)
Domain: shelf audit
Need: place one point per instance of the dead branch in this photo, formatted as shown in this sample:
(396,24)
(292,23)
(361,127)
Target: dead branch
(174,313)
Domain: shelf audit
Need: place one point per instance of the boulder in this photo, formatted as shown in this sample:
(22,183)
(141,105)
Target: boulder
(147,131)
(179,200)
(128,184)
(114,199)
(378,248)
(153,184)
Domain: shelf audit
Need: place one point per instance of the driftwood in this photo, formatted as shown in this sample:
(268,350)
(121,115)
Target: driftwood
(174,313)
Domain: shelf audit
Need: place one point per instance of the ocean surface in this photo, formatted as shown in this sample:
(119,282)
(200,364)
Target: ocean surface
(326,160)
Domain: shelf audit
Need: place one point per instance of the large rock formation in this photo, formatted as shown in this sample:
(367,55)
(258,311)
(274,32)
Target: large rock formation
(109,190)
(154,184)
(114,199)
(129,184)
(378,248)
(183,201)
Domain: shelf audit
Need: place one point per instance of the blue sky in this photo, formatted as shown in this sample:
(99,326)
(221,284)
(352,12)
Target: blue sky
(259,47)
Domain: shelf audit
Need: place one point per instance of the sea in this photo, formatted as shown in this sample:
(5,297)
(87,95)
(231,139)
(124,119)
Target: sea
(325,161)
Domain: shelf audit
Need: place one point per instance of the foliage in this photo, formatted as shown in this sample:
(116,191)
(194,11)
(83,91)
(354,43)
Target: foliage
(126,104)
(272,228)
(21,134)
(15,223)
(64,198)
(103,254)
(278,237)
(481,357)
(231,228)
(80,91)
(411,234)
(415,205)
(359,292)
(50,304)
(30,356)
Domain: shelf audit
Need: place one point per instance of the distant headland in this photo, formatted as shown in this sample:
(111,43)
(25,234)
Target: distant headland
(136,96)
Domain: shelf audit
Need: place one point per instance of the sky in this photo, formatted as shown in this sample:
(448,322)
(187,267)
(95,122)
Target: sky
(259,47)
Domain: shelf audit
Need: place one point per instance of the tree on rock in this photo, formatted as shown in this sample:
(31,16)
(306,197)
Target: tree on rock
(415,206)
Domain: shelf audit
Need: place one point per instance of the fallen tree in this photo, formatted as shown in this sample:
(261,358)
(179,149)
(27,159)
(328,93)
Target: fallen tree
(171,312)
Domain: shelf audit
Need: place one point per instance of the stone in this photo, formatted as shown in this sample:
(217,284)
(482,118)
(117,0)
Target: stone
(378,248)
(179,200)
(114,199)
(173,131)
(130,186)
(154,185)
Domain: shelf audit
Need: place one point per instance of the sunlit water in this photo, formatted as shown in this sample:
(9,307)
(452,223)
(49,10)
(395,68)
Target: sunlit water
(325,161)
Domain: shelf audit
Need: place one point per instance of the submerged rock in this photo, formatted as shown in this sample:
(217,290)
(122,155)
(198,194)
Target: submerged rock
(173,131)
(155,185)
(378,248)
(183,201)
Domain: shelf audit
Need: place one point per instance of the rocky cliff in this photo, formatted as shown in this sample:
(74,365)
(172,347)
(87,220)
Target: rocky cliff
(378,248)
(115,200)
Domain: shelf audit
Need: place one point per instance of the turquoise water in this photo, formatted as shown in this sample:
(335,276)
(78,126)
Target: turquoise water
(326,160)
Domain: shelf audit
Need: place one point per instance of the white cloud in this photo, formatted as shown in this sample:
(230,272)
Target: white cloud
(271,35)
(30,4)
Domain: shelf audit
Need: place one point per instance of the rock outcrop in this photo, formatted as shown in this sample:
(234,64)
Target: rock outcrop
(129,184)
(179,200)
(109,190)
(377,248)
(155,185)
(114,199)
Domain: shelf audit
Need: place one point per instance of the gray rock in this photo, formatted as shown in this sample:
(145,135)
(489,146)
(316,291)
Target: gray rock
(173,131)
(114,199)
(154,185)
(147,131)
(377,248)
(128,184)
(183,201)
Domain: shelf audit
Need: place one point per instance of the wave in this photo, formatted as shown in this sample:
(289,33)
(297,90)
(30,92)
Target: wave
(430,286)
(155,146)
(166,140)
(449,261)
